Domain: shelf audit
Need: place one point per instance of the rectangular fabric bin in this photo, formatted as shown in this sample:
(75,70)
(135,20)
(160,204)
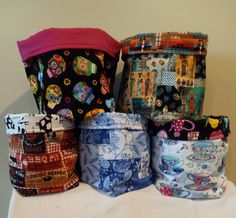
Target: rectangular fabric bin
(188,157)
(71,70)
(114,153)
(164,75)
(42,153)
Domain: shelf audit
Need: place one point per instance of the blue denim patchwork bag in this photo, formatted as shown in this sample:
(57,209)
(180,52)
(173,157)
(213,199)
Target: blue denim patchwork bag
(115,153)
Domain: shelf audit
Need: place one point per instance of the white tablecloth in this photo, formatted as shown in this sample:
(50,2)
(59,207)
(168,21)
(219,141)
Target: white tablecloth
(85,202)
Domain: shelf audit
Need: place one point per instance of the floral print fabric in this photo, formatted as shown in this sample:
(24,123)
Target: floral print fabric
(114,153)
(164,75)
(191,167)
(42,153)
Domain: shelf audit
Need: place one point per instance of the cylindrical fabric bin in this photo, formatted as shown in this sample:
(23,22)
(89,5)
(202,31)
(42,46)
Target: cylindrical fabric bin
(114,153)
(42,153)
(164,75)
(188,157)
(71,70)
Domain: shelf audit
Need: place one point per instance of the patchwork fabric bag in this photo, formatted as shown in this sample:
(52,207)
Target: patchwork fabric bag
(188,157)
(114,153)
(164,75)
(71,70)
(42,153)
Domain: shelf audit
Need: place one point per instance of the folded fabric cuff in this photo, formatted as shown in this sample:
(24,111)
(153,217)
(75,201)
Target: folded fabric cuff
(115,120)
(168,42)
(60,38)
(207,127)
(36,123)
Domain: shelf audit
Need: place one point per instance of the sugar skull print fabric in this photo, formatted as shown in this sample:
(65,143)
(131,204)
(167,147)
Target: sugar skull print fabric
(42,153)
(164,75)
(192,167)
(114,153)
(71,72)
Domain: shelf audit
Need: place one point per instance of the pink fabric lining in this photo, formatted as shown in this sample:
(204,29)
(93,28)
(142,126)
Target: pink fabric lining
(61,38)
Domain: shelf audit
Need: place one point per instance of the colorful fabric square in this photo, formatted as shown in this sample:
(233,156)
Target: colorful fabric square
(115,153)
(164,75)
(191,167)
(42,153)
(71,71)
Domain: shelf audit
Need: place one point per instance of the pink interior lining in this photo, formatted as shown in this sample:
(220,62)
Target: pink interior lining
(62,38)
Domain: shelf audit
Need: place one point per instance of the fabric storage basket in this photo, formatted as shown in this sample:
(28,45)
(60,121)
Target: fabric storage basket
(114,153)
(164,75)
(188,157)
(71,70)
(42,153)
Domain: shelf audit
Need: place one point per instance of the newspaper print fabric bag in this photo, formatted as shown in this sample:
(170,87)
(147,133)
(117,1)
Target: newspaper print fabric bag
(114,153)
(193,166)
(164,75)
(71,70)
(42,153)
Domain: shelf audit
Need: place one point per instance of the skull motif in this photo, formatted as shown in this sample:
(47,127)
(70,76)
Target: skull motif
(53,95)
(83,93)
(67,113)
(56,66)
(33,83)
(83,66)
